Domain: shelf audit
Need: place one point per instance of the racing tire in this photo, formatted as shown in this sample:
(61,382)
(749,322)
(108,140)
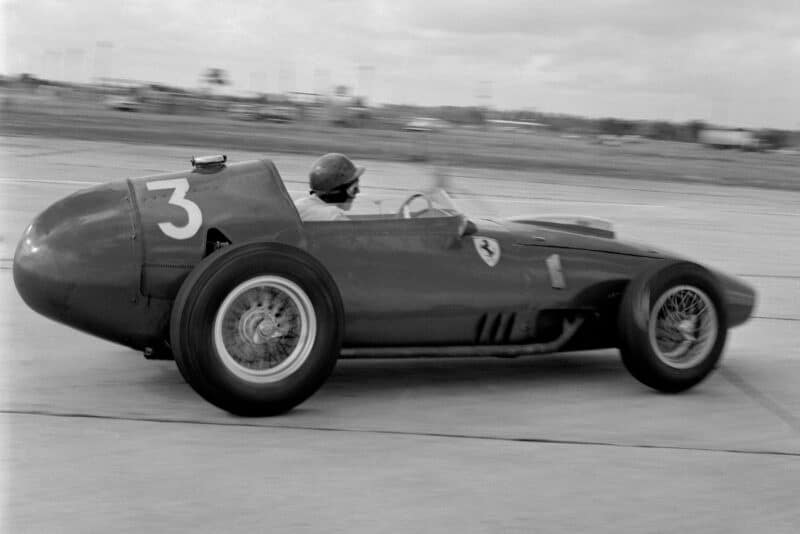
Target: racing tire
(672,326)
(257,328)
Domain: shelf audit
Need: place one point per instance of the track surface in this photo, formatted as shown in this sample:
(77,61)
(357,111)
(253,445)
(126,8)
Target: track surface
(95,438)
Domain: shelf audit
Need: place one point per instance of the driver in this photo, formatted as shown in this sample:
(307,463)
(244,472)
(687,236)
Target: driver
(334,184)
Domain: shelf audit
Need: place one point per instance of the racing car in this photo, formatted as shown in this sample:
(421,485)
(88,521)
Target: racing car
(212,267)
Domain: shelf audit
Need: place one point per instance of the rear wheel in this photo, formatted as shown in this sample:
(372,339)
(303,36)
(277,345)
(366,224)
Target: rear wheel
(672,327)
(256,329)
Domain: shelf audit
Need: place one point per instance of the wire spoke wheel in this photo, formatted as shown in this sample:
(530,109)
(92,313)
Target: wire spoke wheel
(265,329)
(683,327)
(256,328)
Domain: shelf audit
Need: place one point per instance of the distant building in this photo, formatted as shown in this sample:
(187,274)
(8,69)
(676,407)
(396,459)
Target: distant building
(304,99)
(721,138)
(343,109)
(516,125)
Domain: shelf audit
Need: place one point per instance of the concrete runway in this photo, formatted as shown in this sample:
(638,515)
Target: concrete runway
(95,438)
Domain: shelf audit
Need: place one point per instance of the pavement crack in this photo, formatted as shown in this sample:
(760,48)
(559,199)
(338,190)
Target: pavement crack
(318,428)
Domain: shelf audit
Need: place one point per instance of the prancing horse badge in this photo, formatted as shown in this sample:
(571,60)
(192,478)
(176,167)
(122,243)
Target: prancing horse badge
(488,249)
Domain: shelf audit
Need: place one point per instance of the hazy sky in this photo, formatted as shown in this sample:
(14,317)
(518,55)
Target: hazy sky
(729,61)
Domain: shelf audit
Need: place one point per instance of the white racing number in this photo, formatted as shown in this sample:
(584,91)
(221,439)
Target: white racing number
(180,187)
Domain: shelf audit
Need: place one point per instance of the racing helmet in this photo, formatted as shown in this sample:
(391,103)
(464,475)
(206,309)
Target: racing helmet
(333,173)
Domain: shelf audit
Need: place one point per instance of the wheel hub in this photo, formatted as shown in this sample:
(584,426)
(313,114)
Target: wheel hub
(258,326)
(687,328)
(264,329)
(683,327)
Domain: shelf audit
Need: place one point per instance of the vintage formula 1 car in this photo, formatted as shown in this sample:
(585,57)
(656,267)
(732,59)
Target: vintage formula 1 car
(212,266)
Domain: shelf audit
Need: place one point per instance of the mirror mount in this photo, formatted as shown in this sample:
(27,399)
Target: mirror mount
(466,227)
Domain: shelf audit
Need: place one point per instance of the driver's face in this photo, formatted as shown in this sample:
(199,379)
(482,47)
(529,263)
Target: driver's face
(352,191)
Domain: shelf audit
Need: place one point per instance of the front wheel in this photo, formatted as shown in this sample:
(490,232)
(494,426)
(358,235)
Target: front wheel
(256,329)
(673,326)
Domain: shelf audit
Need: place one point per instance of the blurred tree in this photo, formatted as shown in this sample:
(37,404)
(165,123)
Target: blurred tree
(693,129)
(616,126)
(214,76)
(477,115)
(665,131)
(28,81)
(454,114)
(773,139)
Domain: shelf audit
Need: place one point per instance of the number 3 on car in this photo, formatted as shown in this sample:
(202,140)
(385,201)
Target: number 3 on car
(179,186)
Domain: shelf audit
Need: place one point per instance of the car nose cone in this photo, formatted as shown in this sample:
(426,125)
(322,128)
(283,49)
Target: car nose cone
(77,257)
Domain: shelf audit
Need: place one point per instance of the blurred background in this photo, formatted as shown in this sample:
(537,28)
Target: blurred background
(644,112)
(622,88)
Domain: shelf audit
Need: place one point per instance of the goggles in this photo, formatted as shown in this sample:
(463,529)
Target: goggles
(352,189)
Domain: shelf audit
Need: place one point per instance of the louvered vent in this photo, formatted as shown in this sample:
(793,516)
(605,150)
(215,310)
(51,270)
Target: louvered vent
(494,328)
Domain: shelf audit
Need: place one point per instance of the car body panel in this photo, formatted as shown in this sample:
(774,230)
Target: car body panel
(262,210)
(433,288)
(109,260)
(565,237)
(78,263)
(98,260)
(431,285)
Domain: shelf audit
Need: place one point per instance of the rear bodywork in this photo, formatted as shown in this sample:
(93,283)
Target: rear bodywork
(109,260)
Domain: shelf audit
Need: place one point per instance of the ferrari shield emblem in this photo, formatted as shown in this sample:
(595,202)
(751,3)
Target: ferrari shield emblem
(488,249)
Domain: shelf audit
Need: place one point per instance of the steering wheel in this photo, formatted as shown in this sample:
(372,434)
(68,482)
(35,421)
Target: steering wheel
(405,210)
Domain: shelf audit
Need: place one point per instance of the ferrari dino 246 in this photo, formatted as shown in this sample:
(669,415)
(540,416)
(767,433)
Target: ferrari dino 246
(212,266)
